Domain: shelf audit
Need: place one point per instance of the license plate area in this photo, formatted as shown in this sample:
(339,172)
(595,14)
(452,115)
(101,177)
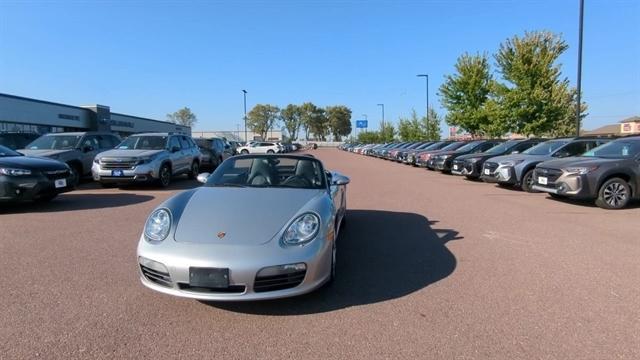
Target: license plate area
(542,180)
(117,173)
(60,183)
(487,172)
(209,277)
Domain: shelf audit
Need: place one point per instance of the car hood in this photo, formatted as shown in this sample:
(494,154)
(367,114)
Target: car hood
(32,163)
(523,157)
(43,152)
(246,216)
(128,153)
(578,161)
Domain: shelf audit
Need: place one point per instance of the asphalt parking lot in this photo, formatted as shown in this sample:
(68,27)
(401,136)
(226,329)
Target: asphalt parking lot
(429,266)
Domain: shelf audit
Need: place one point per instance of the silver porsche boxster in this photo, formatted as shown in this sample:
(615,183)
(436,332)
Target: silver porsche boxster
(261,227)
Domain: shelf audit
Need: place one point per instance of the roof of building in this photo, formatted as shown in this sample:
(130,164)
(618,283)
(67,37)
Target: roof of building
(631,119)
(604,130)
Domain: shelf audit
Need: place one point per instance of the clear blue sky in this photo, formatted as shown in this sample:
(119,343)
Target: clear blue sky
(151,58)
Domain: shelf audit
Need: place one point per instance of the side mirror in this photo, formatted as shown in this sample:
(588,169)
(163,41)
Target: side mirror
(203,177)
(175,149)
(87,148)
(337,179)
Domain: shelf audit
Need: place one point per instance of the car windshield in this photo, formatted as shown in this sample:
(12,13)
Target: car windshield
(144,143)
(615,150)
(55,142)
(501,148)
(266,171)
(5,151)
(453,146)
(546,148)
(469,146)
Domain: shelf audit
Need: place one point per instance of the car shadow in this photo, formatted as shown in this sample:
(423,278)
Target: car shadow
(76,201)
(633,204)
(382,255)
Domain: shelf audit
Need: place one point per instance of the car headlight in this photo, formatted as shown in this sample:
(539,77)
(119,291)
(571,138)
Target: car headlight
(510,162)
(145,160)
(96,161)
(302,230)
(580,170)
(14,172)
(158,225)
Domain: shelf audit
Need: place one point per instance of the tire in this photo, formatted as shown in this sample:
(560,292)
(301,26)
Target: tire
(615,193)
(244,152)
(164,176)
(334,251)
(76,171)
(270,152)
(527,182)
(195,170)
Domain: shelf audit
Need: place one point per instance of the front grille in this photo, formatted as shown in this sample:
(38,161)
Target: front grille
(232,289)
(278,282)
(491,166)
(155,276)
(460,164)
(552,175)
(108,164)
(57,174)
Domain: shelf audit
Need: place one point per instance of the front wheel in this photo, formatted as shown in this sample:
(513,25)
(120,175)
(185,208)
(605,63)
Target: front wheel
(195,168)
(528,181)
(270,151)
(334,251)
(244,152)
(165,176)
(614,194)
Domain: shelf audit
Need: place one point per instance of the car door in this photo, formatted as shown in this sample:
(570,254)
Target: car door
(177,160)
(89,148)
(187,155)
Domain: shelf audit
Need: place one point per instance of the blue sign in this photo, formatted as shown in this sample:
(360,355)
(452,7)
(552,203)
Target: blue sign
(362,124)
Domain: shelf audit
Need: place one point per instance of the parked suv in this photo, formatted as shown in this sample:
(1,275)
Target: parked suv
(76,149)
(470,165)
(444,160)
(610,174)
(259,147)
(17,140)
(214,151)
(152,157)
(517,170)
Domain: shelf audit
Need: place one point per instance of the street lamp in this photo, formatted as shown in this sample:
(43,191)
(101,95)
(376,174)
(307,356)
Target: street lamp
(579,85)
(426,76)
(244,93)
(382,105)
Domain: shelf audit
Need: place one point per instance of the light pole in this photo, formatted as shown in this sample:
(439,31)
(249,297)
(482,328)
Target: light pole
(244,93)
(426,76)
(382,105)
(579,85)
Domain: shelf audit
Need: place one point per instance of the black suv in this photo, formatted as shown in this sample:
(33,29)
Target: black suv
(214,151)
(470,165)
(610,174)
(444,160)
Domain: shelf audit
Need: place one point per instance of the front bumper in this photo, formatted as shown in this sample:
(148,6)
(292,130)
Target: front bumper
(565,184)
(137,174)
(501,175)
(243,265)
(32,187)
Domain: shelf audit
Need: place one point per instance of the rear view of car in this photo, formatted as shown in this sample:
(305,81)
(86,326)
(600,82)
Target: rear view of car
(610,174)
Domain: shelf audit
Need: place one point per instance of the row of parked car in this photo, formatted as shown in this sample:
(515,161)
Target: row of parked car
(606,170)
(54,163)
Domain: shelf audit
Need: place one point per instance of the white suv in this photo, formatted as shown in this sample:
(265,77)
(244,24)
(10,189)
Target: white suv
(259,148)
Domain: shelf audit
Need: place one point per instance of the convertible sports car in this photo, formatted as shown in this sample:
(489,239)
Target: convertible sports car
(261,227)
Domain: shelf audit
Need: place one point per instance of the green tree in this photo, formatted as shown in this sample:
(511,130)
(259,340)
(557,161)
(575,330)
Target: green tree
(465,93)
(291,117)
(314,121)
(183,116)
(387,132)
(262,118)
(411,129)
(535,98)
(369,137)
(430,126)
(339,118)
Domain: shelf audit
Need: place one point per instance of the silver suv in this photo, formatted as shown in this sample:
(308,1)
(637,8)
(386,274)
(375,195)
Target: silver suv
(153,157)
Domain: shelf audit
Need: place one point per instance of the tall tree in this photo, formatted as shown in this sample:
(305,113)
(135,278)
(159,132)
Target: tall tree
(291,117)
(314,121)
(387,132)
(262,118)
(183,116)
(368,137)
(411,129)
(431,126)
(339,118)
(536,98)
(464,93)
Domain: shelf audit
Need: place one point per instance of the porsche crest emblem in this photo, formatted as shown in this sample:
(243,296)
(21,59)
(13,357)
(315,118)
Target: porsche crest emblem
(221,234)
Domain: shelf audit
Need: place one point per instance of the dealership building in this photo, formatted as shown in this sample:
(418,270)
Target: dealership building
(21,114)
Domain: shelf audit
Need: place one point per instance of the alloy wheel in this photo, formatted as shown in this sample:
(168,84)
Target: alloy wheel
(615,194)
